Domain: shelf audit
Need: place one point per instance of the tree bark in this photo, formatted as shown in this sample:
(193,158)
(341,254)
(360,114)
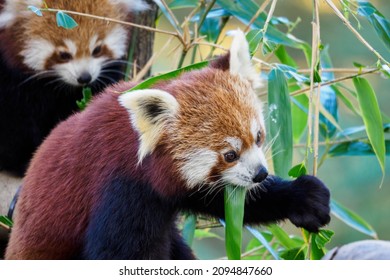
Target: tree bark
(141,41)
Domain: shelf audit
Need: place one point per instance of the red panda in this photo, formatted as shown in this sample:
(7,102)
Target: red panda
(43,67)
(109,182)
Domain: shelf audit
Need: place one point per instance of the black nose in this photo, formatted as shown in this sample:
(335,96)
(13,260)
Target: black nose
(84,78)
(261,175)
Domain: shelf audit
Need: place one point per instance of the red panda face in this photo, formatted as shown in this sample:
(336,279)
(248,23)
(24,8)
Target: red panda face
(210,121)
(79,56)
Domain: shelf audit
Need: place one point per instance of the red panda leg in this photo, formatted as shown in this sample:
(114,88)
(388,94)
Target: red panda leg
(304,201)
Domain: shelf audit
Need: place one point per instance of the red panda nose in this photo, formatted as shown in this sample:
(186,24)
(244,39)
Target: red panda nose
(261,175)
(84,78)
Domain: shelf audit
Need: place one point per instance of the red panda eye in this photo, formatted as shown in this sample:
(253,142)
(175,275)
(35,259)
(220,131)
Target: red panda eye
(65,56)
(258,139)
(231,156)
(97,51)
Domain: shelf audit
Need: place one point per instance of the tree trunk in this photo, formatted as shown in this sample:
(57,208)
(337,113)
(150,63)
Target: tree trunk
(141,41)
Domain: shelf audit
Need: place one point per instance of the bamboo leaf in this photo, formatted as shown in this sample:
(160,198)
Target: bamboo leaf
(355,148)
(260,237)
(279,108)
(205,233)
(6,221)
(65,21)
(372,118)
(168,15)
(352,219)
(298,170)
(188,231)
(234,217)
(167,76)
(179,4)
(283,237)
(35,10)
(87,97)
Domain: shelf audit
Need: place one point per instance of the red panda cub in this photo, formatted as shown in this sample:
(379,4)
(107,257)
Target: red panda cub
(109,182)
(43,67)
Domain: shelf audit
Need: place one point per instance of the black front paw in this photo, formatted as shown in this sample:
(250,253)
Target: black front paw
(310,203)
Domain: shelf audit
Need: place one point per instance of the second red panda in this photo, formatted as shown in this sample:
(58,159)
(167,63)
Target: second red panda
(43,67)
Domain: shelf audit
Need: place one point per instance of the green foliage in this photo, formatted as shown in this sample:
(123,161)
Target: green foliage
(66,21)
(87,96)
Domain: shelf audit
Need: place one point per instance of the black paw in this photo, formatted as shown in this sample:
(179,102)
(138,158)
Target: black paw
(310,203)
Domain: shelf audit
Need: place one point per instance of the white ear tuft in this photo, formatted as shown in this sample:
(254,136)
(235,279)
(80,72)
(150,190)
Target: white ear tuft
(149,110)
(12,9)
(132,5)
(240,60)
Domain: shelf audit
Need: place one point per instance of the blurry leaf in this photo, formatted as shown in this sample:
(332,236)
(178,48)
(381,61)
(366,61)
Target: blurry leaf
(328,96)
(299,111)
(279,107)
(35,10)
(214,13)
(317,77)
(385,70)
(234,217)
(244,10)
(293,254)
(358,65)
(283,237)
(355,148)
(352,219)
(65,21)
(284,57)
(345,100)
(259,236)
(211,28)
(169,17)
(6,221)
(167,76)
(179,4)
(188,231)
(377,20)
(254,38)
(298,170)
(205,233)
(371,117)
(87,96)
(291,73)
(323,237)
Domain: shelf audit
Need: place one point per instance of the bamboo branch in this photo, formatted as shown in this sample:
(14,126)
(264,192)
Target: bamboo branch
(259,11)
(354,31)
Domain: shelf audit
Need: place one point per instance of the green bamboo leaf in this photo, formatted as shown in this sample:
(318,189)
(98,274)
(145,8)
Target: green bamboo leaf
(283,237)
(284,57)
(35,10)
(372,118)
(234,217)
(347,102)
(6,221)
(299,112)
(65,21)
(262,238)
(279,107)
(298,170)
(323,237)
(179,4)
(352,219)
(188,231)
(87,97)
(169,17)
(377,20)
(211,28)
(167,76)
(294,253)
(254,38)
(205,233)
(355,148)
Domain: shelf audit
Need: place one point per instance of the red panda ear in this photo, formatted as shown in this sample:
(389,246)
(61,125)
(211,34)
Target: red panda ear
(149,111)
(132,5)
(13,9)
(221,62)
(240,60)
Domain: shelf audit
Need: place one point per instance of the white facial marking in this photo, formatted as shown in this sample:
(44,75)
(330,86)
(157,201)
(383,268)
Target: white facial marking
(243,172)
(72,70)
(116,40)
(235,142)
(93,43)
(197,166)
(72,48)
(36,52)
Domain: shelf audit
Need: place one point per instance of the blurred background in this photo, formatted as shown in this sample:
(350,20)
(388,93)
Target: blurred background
(354,181)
